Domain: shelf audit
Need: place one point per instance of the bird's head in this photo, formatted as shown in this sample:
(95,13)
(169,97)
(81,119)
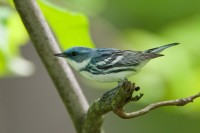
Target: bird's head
(78,57)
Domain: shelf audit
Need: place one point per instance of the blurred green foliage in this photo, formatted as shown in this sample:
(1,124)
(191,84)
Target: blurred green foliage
(13,35)
(150,15)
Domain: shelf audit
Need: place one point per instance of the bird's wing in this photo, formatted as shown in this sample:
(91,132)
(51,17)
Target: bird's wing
(137,57)
(105,57)
(110,58)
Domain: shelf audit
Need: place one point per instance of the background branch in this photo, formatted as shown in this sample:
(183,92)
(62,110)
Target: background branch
(46,45)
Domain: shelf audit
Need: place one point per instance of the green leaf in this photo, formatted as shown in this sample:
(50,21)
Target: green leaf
(70,28)
(13,35)
(17,33)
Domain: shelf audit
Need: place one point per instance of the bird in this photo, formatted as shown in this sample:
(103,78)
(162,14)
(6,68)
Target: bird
(109,64)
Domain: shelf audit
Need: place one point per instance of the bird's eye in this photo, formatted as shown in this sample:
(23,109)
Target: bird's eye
(74,53)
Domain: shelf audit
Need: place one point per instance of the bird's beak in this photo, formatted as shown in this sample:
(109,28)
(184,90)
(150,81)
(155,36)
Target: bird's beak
(60,55)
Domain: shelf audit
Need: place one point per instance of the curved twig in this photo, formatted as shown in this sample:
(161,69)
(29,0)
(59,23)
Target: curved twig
(177,102)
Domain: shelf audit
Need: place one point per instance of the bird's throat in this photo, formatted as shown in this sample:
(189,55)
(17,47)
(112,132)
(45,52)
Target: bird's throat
(78,65)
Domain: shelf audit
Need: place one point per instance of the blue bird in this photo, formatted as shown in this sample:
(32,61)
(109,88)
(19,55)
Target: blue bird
(108,64)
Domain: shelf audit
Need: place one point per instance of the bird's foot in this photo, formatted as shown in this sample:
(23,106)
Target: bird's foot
(128,85)
(129,88)
(121,82)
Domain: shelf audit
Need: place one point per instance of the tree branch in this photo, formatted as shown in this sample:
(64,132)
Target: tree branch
(61,74)
(178,102)
(115,99)
(110,101)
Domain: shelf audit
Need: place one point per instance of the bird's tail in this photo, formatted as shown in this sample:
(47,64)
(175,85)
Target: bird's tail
(157,50)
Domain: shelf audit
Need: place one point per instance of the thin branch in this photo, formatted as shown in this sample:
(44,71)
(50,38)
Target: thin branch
(178,102)
(61,74)
(115,99)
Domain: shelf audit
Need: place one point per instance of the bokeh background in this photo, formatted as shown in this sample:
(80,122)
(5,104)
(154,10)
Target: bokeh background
(28,99)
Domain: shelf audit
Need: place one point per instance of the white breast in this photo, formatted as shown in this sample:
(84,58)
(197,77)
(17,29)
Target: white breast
(112,77)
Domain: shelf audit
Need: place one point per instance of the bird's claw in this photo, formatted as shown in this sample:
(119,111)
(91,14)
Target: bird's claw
(137,88)
(137,97)
(128,86)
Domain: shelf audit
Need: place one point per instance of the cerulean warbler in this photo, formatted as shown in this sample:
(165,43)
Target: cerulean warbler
(108,64)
